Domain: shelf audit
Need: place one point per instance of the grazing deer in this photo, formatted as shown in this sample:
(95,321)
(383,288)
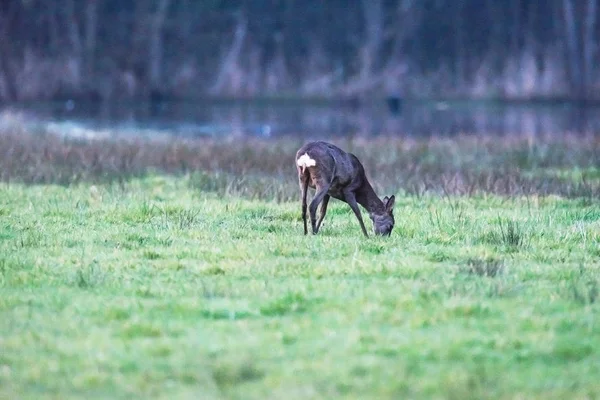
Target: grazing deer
(335,173)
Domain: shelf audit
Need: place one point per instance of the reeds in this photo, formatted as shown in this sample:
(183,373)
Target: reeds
(568,166)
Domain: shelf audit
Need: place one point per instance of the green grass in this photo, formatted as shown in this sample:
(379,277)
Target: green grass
(153,288)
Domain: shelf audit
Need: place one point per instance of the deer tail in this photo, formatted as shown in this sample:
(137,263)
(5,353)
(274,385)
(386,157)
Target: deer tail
(305,161)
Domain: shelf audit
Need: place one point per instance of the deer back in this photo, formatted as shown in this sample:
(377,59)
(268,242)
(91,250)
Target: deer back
(331,163)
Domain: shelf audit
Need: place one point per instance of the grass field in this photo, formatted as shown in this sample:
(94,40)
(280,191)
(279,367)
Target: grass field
(198,285)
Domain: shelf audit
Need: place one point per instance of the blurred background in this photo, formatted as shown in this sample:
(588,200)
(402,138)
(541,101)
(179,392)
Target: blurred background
(297,67)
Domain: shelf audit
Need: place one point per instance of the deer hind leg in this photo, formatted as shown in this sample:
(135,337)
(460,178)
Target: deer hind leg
(323,211)
(304,192)
(319,197)
(326,200)
(351,200)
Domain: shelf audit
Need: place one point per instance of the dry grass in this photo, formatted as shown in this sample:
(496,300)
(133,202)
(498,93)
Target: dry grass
(568,166)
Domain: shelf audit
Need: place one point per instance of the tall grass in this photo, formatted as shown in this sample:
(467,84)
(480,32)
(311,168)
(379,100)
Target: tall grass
(567,166)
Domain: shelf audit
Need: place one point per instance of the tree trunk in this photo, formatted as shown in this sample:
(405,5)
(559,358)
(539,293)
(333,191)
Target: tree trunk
(460,52)
(231,59)
(589,44)
(137,58)
(73,30)
(497,44)
(373,16)
(516,27)
(407,20)
(156,43)
(6,54)
(91,28)
(53,28)
(573,47)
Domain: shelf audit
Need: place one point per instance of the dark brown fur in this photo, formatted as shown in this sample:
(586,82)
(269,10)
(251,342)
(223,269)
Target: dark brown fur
(340,175)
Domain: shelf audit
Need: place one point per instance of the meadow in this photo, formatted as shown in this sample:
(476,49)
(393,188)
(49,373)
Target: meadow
(178,269)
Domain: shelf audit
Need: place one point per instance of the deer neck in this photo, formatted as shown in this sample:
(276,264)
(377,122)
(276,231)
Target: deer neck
(366,197)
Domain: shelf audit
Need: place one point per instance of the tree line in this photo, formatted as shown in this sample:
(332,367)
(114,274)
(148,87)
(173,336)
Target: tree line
(126,49)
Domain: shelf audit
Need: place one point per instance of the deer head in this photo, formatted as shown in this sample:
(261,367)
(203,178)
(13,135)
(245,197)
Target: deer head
(383,221)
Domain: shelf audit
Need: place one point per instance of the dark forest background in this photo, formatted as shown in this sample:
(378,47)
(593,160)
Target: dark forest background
(123,49)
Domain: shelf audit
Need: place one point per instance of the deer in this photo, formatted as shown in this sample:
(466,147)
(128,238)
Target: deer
(334,173)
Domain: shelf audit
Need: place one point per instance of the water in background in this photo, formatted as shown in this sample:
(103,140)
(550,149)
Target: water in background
(273,119)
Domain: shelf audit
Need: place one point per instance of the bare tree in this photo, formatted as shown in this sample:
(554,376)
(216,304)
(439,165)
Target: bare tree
(53,23)
(156,42)
(460,55)
(91,28)
(589,42)
(370,51)
(357,47)
(406,20)
(573,46)
(515,8)
(231,59)
(6,69)
(73,30)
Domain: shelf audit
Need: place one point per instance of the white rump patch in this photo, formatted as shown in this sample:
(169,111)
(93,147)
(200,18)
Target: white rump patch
(304,161)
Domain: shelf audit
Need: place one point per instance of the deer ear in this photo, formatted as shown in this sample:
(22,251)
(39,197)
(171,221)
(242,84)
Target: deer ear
(389,203)
(385,200)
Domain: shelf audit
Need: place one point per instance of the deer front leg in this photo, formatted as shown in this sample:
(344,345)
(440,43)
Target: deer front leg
(351,200)
(319,196)
(323,211)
